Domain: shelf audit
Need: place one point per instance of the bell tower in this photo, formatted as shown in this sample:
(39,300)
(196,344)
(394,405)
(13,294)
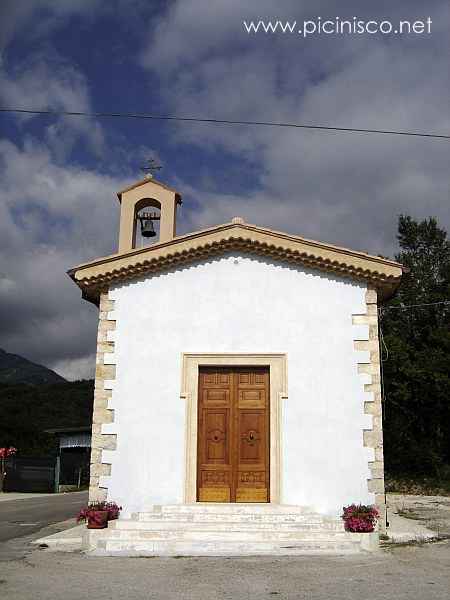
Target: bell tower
(147,193)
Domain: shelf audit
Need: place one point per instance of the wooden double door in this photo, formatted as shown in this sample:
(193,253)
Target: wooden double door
(233,435)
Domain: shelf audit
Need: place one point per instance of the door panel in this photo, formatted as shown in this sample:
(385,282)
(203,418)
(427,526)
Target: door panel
(217,440)
(214,480)
(253,433)
(233,435)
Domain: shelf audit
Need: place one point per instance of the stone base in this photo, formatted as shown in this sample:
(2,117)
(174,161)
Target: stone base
(226,530)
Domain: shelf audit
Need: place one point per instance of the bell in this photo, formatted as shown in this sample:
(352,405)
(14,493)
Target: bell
(147,230)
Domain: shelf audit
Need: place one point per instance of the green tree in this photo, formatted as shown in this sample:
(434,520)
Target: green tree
(416,354)
(27,410)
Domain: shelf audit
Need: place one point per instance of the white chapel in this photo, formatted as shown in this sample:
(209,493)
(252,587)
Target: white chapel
(237,398)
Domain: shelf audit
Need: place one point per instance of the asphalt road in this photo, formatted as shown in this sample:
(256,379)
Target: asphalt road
(25,516)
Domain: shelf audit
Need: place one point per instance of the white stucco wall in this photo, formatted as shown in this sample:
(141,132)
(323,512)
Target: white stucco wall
(238,303)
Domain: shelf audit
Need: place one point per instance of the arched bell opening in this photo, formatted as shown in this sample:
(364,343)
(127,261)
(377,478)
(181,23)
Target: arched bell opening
(147,219)
(148,196)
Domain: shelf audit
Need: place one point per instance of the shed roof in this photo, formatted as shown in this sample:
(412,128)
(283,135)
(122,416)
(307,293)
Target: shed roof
(62,430)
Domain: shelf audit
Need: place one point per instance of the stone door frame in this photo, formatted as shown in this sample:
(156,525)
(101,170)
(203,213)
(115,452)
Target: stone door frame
(191,362)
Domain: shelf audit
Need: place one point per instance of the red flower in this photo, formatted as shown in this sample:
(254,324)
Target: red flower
(5,452)
(111,508)
(360,518)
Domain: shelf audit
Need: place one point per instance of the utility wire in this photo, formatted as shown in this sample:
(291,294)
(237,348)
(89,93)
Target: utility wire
(407,306)
(221,122)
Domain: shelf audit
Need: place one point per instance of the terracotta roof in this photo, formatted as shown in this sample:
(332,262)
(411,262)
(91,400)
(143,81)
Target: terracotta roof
(143,182)
(96,276)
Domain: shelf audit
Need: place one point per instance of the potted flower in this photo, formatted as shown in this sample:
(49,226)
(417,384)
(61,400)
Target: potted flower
(360,518)
(4,454)
(113,510)
(97,514)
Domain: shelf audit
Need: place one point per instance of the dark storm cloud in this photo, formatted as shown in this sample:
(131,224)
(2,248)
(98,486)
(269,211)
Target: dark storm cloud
(42,316)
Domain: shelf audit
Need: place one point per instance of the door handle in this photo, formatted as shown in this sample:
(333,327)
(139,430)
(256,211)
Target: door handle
(251,437)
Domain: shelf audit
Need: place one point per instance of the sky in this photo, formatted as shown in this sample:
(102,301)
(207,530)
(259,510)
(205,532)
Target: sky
(59,175)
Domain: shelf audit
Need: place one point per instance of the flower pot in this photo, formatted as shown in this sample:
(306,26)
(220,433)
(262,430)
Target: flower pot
(360,523)
(361,527)
(97,519)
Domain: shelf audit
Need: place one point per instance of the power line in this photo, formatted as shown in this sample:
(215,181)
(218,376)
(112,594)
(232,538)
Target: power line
(61,113)
(407,306)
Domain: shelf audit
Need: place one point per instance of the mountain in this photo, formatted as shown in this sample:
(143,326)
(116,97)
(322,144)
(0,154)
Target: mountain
(15,369)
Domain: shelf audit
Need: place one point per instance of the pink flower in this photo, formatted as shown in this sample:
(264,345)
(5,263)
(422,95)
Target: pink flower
(111,508)
(360,518)
(5,452)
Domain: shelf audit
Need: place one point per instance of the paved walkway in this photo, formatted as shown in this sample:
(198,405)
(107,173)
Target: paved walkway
(402,573)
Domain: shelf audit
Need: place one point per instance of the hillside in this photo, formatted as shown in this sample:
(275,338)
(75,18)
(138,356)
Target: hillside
(27,410)
(15,369)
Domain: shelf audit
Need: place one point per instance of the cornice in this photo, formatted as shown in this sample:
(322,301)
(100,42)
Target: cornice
(97,276)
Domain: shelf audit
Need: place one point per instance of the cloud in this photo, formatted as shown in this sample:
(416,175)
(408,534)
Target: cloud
(47,82)
(42,17)
(14,16)
(345,188)
(53,213)
(190,31)
(52,217)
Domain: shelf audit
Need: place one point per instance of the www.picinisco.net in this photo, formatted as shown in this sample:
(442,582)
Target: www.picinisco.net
(339,26)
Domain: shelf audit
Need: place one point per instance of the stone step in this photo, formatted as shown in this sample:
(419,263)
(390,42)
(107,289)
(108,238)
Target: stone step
(227,525)
(228,508)
(197,515)
(224,518)
(249,535)
(234,547)
(221,514)
(227,530)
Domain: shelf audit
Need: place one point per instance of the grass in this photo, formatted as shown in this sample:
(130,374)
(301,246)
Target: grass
(408,513)
(390,545)
(417,486)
